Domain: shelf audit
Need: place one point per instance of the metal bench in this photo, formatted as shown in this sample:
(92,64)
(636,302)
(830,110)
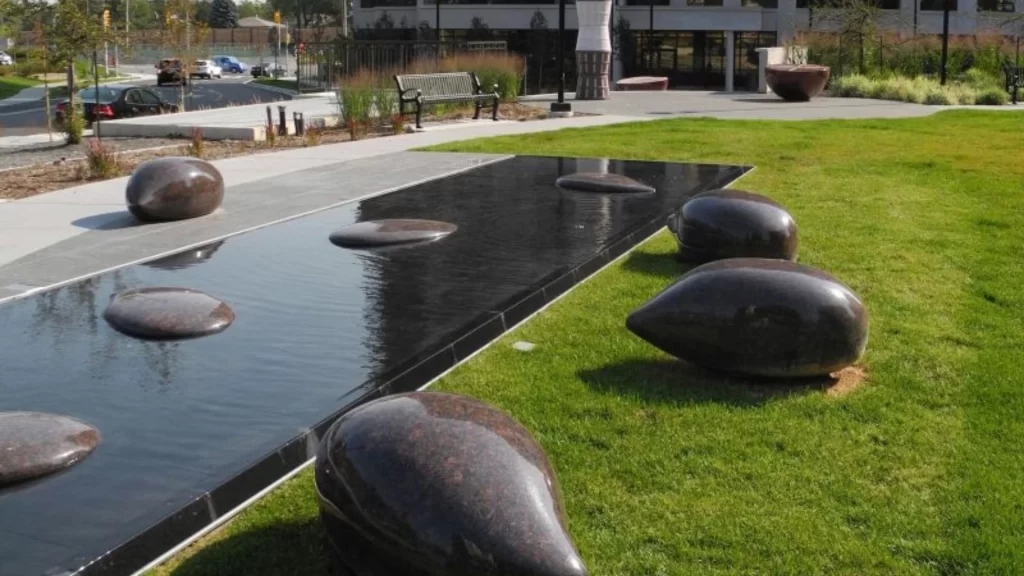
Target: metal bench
(1014,80)
(418,90)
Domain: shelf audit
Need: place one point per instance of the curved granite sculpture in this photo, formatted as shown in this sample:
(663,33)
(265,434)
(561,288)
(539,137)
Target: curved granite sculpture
(642,83)
(797,82)
(757,317)
(379,233)
(734,224)
(167,313)
(428,484)
(602,183)
(174,188)
(34,444)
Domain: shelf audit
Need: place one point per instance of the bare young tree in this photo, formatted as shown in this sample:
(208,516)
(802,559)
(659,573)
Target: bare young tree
(185,36)
(856,20)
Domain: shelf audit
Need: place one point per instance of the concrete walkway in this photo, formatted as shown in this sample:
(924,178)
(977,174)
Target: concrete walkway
(30,227)
(746,106)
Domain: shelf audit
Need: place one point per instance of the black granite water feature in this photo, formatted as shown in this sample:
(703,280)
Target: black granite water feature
(194,428)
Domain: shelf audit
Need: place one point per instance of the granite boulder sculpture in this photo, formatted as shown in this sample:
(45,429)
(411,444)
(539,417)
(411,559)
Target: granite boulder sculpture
(797,82)
(733,224)
(428,484)
(34,444)
(757,317)
(174,188)
(167,313)
(383,233)
(602,183)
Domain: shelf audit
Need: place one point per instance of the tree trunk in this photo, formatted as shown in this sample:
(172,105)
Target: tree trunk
(71,86)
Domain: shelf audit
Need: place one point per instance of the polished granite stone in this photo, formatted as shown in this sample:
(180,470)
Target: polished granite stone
(797,82)
(757,317)
(186,258)
(192,428)
(167,313)
(430,484)
(733,224)
(603,183)
(34,444)
(391,232)
(174,188)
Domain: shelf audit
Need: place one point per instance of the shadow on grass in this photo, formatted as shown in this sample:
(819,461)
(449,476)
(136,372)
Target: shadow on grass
(661,265)
(677,383)
(278,549)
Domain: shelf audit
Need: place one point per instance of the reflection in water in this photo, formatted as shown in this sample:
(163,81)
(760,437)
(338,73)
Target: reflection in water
(186,258)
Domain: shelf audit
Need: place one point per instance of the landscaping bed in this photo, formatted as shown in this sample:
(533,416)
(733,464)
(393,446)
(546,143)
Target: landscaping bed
(667,470)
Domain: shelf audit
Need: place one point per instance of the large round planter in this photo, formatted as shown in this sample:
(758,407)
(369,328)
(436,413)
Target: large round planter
(797,82)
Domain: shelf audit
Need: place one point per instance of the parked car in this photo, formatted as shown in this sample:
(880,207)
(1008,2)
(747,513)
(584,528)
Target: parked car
(205,69)
(6,59)
(169,71)
(271,70)
(117,102)
(231,64)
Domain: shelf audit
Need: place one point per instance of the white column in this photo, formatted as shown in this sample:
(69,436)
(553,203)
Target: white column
(730,60)
(593,49)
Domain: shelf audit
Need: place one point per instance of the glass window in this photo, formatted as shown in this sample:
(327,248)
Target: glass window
(386,3)
(932,5)
(133,97)
(646,2)
(709,3)
(148,97)
(770,4)
(996,6)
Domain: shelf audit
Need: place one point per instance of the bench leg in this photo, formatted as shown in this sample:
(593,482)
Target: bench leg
(479,106)
(494,114)
(419,112)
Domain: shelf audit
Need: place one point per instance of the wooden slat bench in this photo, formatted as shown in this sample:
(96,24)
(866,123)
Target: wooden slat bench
(1014,80)
(417,90)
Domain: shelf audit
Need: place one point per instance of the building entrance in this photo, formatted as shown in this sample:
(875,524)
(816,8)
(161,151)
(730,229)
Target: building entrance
(689,59)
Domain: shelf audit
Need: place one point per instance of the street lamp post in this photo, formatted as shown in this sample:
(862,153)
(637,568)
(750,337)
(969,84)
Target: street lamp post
(945,41)
(437,32)
(561,108)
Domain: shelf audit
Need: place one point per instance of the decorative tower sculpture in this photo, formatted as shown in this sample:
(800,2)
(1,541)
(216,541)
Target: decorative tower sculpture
(593,49)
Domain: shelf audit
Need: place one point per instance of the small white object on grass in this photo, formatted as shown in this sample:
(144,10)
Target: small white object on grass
(524,346)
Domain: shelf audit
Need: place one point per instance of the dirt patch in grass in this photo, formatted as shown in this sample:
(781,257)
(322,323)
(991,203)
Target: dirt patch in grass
(847,380)
(42,178)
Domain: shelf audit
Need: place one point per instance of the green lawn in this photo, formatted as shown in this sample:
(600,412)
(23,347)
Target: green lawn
(918,471)
(11,85)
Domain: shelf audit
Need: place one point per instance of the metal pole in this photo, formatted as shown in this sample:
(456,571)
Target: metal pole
(437,33)
(96,92)
(945,41)
(561,51)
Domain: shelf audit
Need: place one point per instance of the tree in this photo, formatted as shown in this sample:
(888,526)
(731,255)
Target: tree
(857,20)
(73,33)
(479,30)
(185,34)
(247,8)
(223,14)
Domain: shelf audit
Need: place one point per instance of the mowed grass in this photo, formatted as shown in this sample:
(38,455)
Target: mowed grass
(11,85)
(920,470)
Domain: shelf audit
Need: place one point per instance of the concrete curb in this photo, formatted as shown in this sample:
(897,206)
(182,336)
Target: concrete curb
(254,84)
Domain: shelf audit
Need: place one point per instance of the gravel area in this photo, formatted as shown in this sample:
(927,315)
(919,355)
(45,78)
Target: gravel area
(48,153)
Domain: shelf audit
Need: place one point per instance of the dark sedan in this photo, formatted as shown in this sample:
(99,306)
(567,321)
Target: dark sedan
(117,102)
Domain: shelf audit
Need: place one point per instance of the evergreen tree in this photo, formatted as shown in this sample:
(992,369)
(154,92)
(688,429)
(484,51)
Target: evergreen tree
(224,14)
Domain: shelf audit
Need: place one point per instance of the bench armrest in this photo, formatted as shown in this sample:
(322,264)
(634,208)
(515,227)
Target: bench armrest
(417,91)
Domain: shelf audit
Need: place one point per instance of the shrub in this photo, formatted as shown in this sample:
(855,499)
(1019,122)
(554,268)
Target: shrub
(993,97)
(899,89)
(355,97)
(196,146)
(852,86)
(940,96)
(312,136)
(102,161)
(493,68)
(980,79)
(74,124)
(963,94)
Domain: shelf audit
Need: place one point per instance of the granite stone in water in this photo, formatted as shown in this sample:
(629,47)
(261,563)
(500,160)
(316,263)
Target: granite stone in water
(379,233)
(757,317)
(429,484)
(603,182)
(733,224)
(174,188)
(167,313)
(34,444)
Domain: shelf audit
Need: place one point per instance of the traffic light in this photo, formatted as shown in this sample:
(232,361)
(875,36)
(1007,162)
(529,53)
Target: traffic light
(106,19)
(277,16)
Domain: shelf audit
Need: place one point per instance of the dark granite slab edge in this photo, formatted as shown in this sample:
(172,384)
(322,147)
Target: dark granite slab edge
(219,505)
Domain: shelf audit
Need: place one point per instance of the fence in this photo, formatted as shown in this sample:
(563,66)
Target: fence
(322,65)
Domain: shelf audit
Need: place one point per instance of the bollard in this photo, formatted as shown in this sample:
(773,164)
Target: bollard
(300,124)
(282,129)
(270,119)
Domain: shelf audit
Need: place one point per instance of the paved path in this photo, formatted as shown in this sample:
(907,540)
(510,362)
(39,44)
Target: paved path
(746,106)
(32,228)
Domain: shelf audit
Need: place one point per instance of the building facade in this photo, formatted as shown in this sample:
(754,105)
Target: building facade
(708,44)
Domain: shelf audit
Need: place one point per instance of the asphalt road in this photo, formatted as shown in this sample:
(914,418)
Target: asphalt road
(30,117)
